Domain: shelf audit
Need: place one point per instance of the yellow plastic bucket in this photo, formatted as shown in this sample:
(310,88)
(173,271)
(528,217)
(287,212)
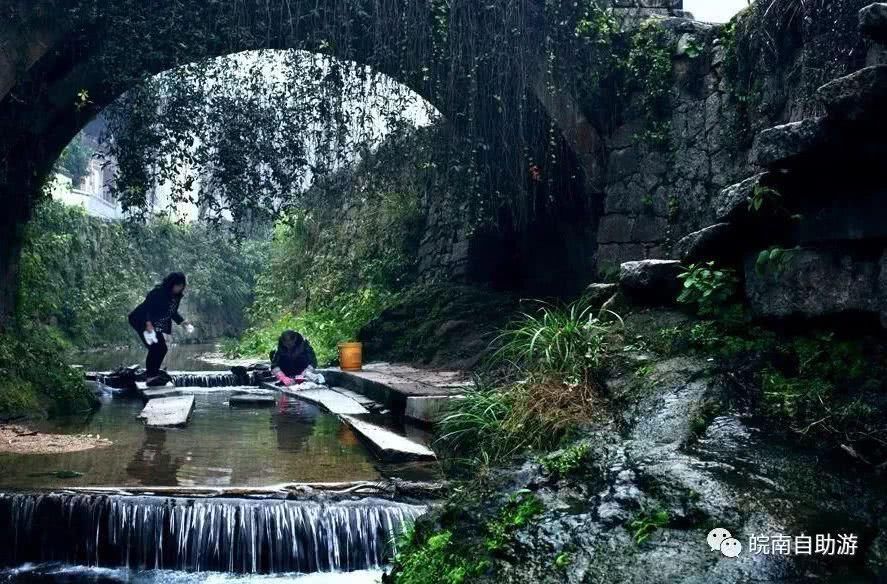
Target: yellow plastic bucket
(350,356)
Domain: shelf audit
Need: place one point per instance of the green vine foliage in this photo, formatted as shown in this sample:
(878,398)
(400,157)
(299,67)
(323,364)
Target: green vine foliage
(82,275)
(257,138)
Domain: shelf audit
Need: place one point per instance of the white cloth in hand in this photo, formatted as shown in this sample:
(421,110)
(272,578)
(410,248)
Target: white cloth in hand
(150,337)
(189,328)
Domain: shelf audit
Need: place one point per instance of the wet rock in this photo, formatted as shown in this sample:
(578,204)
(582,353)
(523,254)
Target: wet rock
(650,280)
(708,243)
(873,21)
(779,146)
(814,283)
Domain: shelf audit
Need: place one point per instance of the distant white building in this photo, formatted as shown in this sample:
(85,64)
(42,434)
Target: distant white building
(93,191)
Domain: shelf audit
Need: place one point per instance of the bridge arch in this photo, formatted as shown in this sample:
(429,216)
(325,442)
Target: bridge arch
(64,64)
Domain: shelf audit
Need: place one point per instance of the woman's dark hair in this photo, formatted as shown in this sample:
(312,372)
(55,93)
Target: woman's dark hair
(173,279)
(289,335)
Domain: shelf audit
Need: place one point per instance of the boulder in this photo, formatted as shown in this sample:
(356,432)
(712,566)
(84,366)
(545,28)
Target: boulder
(856,97)
(814,283)
(873,21)
(654,281)
(777,146)
(713,241)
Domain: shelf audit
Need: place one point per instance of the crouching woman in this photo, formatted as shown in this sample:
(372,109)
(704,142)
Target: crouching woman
(294,354)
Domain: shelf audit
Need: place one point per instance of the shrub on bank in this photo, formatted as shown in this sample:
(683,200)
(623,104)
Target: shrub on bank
(546,380)
(34,377)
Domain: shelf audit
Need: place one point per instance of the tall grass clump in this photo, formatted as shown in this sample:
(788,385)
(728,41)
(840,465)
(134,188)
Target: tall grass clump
(544,378)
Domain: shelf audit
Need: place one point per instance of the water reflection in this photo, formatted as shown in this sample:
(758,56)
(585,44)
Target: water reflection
(152,464)
(293,442)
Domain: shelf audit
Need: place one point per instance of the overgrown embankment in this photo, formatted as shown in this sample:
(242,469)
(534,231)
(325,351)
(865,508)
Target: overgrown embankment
(82,275)
(596,447)
(368,253)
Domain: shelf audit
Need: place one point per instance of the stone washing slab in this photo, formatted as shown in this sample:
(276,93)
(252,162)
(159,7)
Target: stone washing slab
(858,97)
(329,399)
(168,411)
(387,445)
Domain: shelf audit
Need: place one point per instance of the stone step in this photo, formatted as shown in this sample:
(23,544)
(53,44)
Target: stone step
(857,97)
(708,243)
(650,281)
(732,202)
(168,411)
(873,21)
(387,445)
(779,146)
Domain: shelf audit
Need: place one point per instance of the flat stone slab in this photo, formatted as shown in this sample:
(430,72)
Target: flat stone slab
(777,146)
(168,411)
(251,400)
(329,399)
(387,445)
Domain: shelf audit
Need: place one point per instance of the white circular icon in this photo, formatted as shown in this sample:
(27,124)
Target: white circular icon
(716,536)
(731,547)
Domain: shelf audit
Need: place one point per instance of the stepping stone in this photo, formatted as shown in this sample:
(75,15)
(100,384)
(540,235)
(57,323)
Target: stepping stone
(168,411)
(732,202)
(155,392)
(251,399)
(387,445)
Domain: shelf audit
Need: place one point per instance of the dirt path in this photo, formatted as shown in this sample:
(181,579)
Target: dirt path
(20,439)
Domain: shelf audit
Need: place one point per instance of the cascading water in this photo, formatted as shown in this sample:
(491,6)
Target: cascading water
(233,535)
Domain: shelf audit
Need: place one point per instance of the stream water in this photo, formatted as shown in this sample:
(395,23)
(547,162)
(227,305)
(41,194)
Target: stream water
(51,534)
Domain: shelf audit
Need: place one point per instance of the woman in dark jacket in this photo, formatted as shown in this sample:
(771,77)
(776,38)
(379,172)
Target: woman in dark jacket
(154,317)
(293,355)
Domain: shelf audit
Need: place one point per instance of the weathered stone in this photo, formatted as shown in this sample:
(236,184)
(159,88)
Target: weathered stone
(329,399)
(776,146)
(707,243)
(168,411)
(873,21)
(859,96)
(813,283)
(600,292)
(387,445)
(732,202)
(429,408)
(650,280)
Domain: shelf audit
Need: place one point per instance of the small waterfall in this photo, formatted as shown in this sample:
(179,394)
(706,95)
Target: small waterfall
(233,535)
(207,379)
